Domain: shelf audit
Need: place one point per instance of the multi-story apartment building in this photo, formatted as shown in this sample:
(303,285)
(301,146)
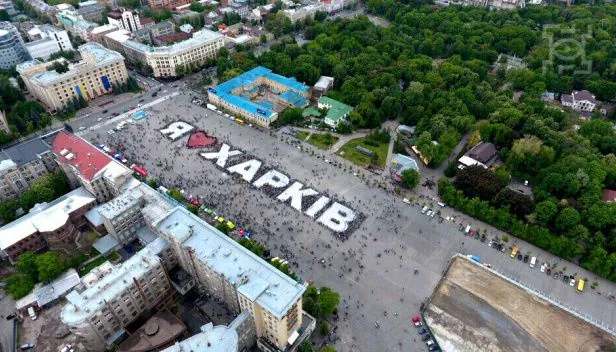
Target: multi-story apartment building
(86,165)
(12,48)
(147,34)
(122,215)
(92,77)
(91,10)
(125,19)
(235,276)
(98,34)
(60,36)
(23,164)
(52,225)
(74,22)
(165,61)
(98,314)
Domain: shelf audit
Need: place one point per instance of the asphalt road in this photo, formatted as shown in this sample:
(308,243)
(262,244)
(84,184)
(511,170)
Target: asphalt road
(373,269)
(7,306)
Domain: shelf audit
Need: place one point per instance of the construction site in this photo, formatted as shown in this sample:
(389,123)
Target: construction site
(474,309)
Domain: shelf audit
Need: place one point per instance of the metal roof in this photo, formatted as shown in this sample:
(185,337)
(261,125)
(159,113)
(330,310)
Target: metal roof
(251,275)
(26,152)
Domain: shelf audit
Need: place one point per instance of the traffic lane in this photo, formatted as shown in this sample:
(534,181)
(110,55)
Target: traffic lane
(120,108)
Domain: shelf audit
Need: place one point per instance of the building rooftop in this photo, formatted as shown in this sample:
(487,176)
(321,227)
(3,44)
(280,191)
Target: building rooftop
(81,155)
(158,331)
(337,110)
(212,338)
(26,152)
(100,55)
(402,162)
(324,82)
(44,217)
(57,288)
(120,204)
(104,28)
(253,277)
(201,37)
(585,95)
(227,90)
(106,285)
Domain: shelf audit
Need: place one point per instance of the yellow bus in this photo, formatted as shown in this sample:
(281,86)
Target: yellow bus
(580,286)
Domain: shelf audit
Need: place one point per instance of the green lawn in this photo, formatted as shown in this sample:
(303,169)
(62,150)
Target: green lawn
(319,140)
(93,264)
(349,152)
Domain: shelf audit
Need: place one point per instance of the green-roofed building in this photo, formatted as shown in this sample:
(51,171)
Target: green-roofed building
(336,111)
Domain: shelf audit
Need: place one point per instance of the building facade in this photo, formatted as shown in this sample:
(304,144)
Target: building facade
(580,101)
(12,48)
(52,225)
(22,165)
(236,95)
(172,60)
(125,19)
(87,166)
(92,77)
(58,35)
(161,4)
(116,297)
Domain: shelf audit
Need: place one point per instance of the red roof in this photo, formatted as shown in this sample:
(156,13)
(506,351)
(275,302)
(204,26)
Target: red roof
(83,156)
(609,195)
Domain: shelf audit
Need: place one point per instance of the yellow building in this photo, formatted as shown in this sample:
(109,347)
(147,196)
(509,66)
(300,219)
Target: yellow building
(92,77)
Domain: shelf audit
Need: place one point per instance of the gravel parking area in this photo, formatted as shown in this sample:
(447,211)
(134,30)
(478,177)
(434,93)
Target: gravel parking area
(372,270)
(475,310)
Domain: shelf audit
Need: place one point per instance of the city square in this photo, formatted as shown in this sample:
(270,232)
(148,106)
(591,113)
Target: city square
(373,270)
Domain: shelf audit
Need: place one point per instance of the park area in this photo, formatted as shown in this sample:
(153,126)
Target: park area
(319,140)
(474,309)
(351,152)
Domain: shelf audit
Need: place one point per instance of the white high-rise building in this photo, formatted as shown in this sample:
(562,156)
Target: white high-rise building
(125,19)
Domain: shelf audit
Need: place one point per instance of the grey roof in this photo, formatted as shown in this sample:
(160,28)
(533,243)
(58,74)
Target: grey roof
(119,204)
(566,98)
(57,288)
(25,152)
(253,277)
(483,152)
(585,95)
(106,243)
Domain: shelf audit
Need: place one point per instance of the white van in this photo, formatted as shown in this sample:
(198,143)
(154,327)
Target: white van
(533,261)
(468,229)
(31,313)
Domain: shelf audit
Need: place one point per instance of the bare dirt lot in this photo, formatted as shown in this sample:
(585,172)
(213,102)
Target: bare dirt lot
(475,310)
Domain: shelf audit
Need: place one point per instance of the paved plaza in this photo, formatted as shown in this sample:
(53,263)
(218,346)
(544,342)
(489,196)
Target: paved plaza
(373,270)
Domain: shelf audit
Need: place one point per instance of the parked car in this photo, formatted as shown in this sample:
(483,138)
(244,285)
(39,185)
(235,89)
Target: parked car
(426,337)
(424,210)
(416,320)
(483,237)
(422,331)
(432,348)
(555,275)
(533,261)
(520,256)
(514,252)
(572,283)
(526,257)
(26,346)
(105,111)
(114,114)
(11,316)
(548,272)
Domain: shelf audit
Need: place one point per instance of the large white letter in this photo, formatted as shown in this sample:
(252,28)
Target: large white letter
(247,169)
(337,217)
(222,155)
(296,193)
(317,206)
(272,178)
(176,130)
